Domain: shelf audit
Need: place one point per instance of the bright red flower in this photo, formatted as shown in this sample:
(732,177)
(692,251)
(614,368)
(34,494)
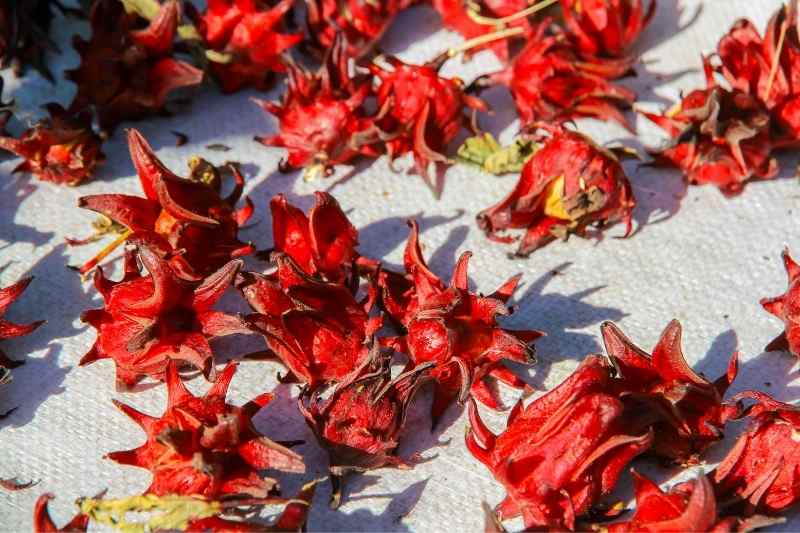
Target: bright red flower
(569,184)
(420,111)
(607,28)
(177,214)
(359,421)
(762,471)
(685,410)
(720,136)
(323,244)
(787,308)
(551,82)
(321,119)
(767,68)
(43,523)
(202,446)
(317,329)
(9,330)
(127,73)
(61,148)
(563,452)
(454,328)
(247,45)
(689,506)
(148,320)
(360,22)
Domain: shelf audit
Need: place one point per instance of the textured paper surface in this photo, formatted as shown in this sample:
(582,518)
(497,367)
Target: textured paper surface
(696,256)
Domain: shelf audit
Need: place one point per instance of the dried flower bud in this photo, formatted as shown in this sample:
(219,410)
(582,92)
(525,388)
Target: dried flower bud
(785,307)
(607,28)
(567,185)
(202,446)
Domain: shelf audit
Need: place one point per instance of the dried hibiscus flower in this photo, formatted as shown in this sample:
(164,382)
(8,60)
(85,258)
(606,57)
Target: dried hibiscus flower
(767,68)
(245,46)
(420,111)
(202,446)
(719,136)
(567,185)
(455,328)
(177,215)
(606,28)
(43,523)
(551,82)
(360,22)
(127,73)
(9,330)
(321,118)
(61,148)
(563,452)
(317,329)
(323,244)
(360,421)
(684,409)
(149,320)
(761,474)
(785,308)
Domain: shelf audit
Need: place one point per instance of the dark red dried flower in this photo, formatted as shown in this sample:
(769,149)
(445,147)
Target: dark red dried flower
(786,308)
(202,446)
(149,320)
(61,148)
(24,28)
(126,73)
(420,111)
(9,330)
(321,119)
(685,410)
(184,217)
(360,421)
(323,244)
(317,329)
(567,185)
(563,452)
(246,43)
(455,328)
(42,523)
(360,22)
(606,27)
(688,506)
(767,68)
(551,82)
(720,136)
(762,471)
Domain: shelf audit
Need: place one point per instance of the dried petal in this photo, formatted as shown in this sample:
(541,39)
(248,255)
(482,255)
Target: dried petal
(786,308)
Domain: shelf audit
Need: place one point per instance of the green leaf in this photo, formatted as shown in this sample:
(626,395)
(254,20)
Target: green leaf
(485,152)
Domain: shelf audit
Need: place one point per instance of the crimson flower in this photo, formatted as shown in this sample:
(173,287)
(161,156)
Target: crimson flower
(606,28)
(9,330)
(787,309)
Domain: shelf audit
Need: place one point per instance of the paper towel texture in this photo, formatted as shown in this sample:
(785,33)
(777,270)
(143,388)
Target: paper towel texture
(696,256)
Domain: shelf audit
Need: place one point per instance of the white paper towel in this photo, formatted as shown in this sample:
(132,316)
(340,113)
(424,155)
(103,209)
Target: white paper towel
(696,256)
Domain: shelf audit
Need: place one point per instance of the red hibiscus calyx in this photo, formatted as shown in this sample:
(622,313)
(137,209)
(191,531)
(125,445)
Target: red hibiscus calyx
(317,329)
(561,453)
(420,111)
(127,73)
(567,185)
(61,148)
(454,328)
(150,319)
(785,307)
(185,218)
(244,44)
(361,419)
(686,411)
(606,28)
(321,118)
(43,522)
(10,330)
(719,136)
(206,447)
